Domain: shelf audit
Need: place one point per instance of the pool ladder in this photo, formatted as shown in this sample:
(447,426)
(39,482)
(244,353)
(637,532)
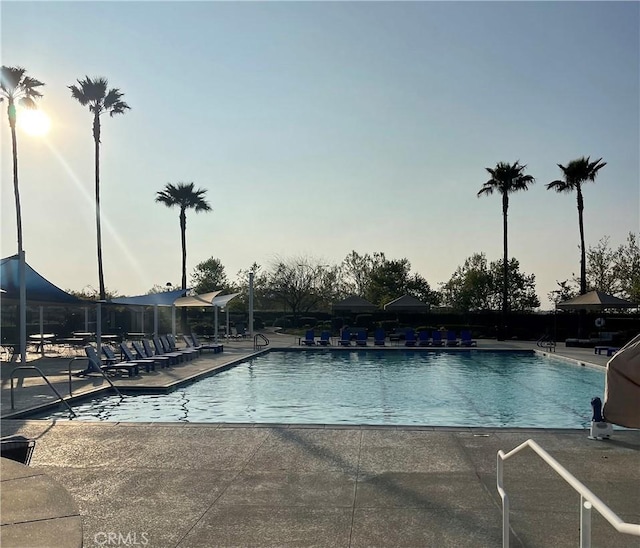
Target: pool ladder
(53,388)
(546,342)
(260,341)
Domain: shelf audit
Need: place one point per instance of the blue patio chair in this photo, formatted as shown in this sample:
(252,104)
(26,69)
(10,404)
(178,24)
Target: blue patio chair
(379,337)
(361,338)
(466,340)
(452,338)
(410,337)
(345,338)
(325,338)
(436,338)
(309,338)
(423,338)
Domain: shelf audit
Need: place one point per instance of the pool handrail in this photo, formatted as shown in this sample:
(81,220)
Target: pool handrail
(256,344)
(587,498)
(39,371)
(97,370)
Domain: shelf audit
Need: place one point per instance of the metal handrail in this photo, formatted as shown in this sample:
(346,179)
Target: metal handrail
(256,344)
(33,367)
(545,342)
(98,370)
(587,498)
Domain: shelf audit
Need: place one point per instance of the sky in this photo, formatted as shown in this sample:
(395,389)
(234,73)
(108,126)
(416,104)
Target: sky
(320,128)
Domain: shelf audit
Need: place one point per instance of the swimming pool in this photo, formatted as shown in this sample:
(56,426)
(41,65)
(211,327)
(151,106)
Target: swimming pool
(464,388)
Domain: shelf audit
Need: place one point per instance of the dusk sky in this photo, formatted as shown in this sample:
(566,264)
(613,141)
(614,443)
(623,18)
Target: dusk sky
(319,128)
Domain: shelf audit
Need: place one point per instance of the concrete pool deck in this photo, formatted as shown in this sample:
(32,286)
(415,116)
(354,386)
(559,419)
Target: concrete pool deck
(209,485)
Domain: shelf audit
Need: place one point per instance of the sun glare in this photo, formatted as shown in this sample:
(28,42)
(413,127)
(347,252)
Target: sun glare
(34,122)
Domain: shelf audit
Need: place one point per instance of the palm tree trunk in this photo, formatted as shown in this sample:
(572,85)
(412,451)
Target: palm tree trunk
(505,266)
(583,259)
(96,138)
(22,306)
(582,314)
(183,236)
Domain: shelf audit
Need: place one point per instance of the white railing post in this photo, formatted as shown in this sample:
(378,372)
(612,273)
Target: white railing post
(505,501)
(585,523)
(587,499)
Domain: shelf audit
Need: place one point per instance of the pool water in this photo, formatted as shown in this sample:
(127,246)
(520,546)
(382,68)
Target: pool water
(465,388)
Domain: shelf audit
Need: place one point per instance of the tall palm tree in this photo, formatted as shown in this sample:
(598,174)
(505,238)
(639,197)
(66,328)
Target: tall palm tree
(184,196)
(577,172)
(94,93)
(506,179)
(17,87)
(21,89)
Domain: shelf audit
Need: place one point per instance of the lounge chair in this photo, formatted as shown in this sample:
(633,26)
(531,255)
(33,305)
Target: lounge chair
(148,363)
(361,338)
(466,340)
(379,337)
(423,338)
(173,359)
(452,338)
(325,339)
(215,347)
(173,347)
(345,338)
(164,351)
(142,353)
(436,338)
(410,337)
(95,364)
(309,338)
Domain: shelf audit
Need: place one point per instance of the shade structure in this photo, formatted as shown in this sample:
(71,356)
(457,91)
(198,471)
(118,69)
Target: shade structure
(406,303)
(212,299)
(164,298)
(622,386)
(40,291)
(354,304)
(204,299)
(595,300)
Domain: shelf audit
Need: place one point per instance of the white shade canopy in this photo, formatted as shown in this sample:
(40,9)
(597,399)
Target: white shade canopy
(204,299)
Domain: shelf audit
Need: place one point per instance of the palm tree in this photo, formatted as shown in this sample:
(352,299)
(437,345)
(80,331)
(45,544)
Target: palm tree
(94,94)
(185,197)
(506,179)
(16,87)
(575,173)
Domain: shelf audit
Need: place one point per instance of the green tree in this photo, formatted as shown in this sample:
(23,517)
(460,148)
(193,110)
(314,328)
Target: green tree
(209,276)
(469,288)
(94,94)
(183,196)
(506,179)
(17,87)
(576,173)
(627,265)
(522,287)
(477,286)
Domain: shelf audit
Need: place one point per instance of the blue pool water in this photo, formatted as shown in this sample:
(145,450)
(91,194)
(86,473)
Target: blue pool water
(468,388)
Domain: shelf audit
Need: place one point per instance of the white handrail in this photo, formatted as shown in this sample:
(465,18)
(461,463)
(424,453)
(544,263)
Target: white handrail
(587,498)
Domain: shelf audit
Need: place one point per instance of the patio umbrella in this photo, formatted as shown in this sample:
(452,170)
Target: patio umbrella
(595,300)
(622,388)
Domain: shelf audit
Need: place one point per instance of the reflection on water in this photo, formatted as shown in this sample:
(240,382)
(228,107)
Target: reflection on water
(468,388)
